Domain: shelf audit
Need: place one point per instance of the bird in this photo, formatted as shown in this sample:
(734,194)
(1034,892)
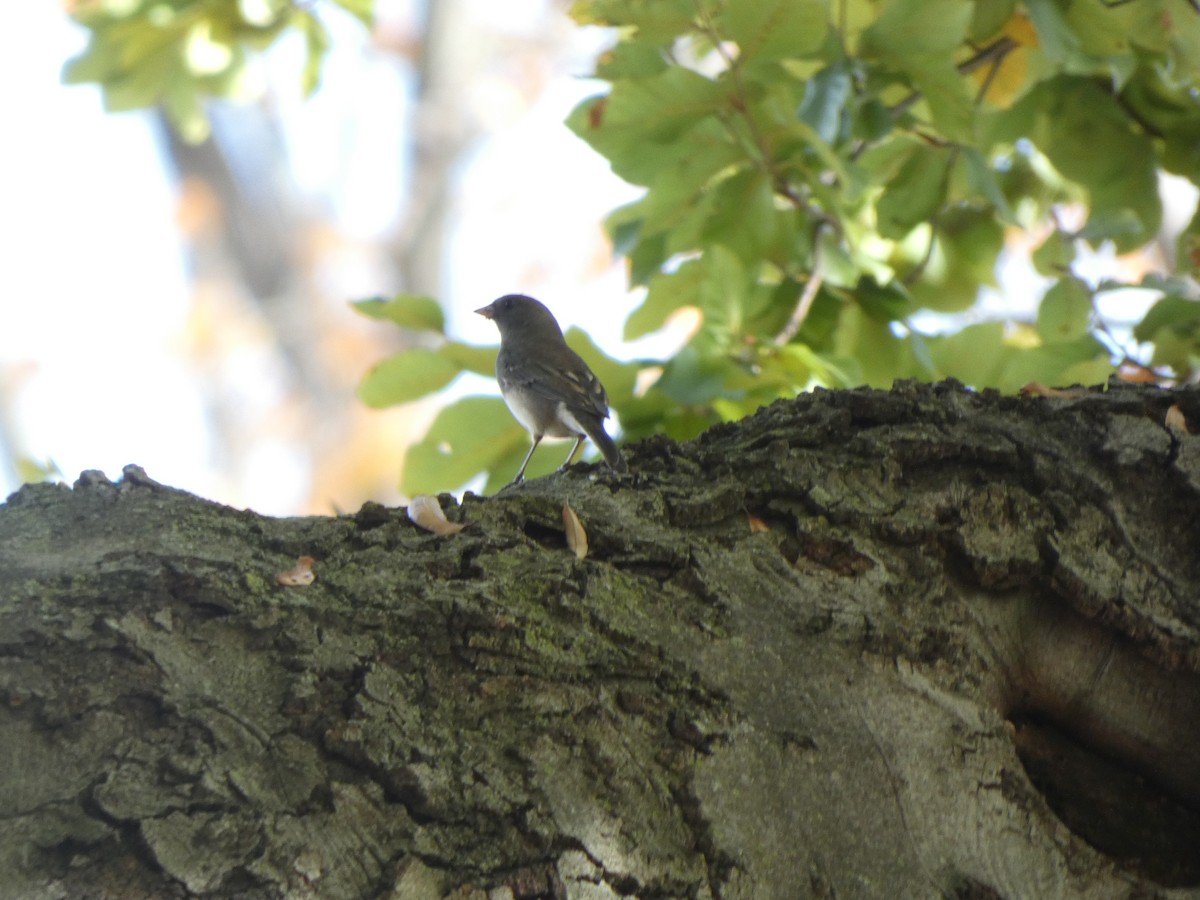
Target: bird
(547,387)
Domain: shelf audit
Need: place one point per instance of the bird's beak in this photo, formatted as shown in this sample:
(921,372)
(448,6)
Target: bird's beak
(487,312)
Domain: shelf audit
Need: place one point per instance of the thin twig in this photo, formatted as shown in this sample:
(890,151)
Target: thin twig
(766,163)
(807,296)
(800,313)
(763,157)
(993,53)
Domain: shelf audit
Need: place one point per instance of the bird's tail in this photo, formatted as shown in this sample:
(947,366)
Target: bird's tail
(607,446)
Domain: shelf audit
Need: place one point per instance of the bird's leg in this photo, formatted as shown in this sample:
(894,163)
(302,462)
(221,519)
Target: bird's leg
(537,439)
(574,450)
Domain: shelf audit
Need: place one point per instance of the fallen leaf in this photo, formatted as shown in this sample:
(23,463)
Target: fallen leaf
(1037,389)
(426,512)
(576,535)
(757,525)
(299,575)
(1136,373)
(1175,421)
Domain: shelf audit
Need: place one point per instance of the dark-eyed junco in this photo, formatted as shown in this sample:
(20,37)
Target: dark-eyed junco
(548,388)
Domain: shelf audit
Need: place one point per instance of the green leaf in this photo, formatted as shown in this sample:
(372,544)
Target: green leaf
(910,29)
(681,173)
(1178,350)
(631,59)
(693,377)
(1172,109)
(1173,313)
(1107,32)
(624,230)
(971,240)
(363,10)
(1188,245)
(668,292)
(989,17)
(916,193)
(742,216)
(983,183)
(872,119)
(180,53)
(919,37)
(94,63)
(480,360)
(836,263)
(681,424)
(1090,372)
(142,86)
(647,258)
(946,93)
(882,356)
(1182,37)
(646,251)
(654,110)
(822,326)
(407,376)
(1058,365)
(186,110)
(644,414)
(472,435)
(776,29)
(887,303)
(1088,137)
(1152,281)
(651,20)
(976,355)
(807,366)
(723,294)
(1056,38)
(1055,254)
(1065,312)
(414,311)
(825,104)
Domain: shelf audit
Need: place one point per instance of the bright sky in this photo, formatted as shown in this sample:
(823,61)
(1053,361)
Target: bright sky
(91,268)
(93,374)
(91,371)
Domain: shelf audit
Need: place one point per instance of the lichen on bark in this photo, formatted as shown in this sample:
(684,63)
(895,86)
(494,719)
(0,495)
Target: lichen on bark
(864,694)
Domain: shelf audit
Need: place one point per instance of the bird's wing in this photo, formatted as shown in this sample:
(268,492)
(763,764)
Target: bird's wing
(574,385)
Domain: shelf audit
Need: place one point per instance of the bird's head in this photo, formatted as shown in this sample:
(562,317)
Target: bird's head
(518,312)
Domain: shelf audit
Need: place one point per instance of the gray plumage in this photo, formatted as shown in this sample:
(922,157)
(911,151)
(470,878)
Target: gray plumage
(547,386)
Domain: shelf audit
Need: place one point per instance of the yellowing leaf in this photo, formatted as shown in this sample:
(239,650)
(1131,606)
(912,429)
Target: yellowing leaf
(1005,77)
(426,512)
(757,525)
(300,575)
(1037,389)
(1175,420)
(577,538)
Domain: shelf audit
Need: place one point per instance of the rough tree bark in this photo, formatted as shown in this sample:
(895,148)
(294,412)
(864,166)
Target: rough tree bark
(915,643)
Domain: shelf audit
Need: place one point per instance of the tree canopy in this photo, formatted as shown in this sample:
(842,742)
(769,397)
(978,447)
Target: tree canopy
(829,183)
